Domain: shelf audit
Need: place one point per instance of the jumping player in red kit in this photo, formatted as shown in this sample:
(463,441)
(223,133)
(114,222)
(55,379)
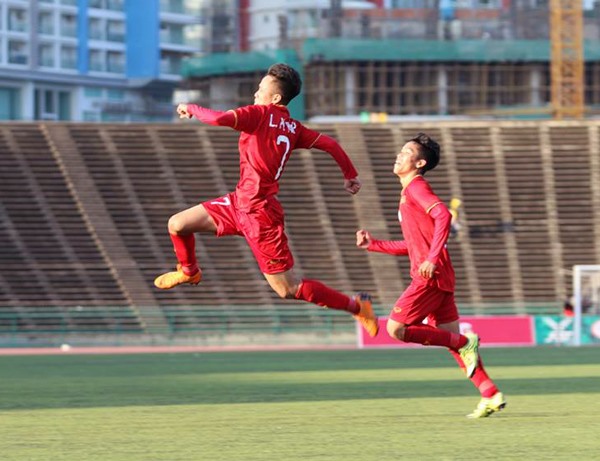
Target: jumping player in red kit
(425,222)
(268,137)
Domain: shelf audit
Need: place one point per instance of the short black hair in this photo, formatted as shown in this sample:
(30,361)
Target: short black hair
(288,79)
(429,151)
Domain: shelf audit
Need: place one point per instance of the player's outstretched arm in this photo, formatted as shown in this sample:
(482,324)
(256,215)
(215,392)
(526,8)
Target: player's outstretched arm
(205,115)
(365,240)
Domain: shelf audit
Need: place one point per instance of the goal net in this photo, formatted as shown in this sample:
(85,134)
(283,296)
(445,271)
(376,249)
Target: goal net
(586,296)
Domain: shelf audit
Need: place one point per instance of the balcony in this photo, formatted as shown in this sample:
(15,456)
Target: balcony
(115,67)
(177,7)
(97,67)
(68,63)
(18,59)
(178,38)
(170,67)
(96,34)
(17,26)
(68,30)
(115,37)
(112,5)
(46,61)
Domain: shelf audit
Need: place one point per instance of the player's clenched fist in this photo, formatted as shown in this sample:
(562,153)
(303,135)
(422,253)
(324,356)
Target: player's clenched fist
(363,239)
(352,185)
(182,110)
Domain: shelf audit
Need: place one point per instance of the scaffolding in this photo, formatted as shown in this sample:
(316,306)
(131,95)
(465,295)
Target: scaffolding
(567,70)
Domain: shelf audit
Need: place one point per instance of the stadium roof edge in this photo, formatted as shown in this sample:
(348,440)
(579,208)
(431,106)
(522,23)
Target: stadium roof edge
(343,49)
(336,49)
(229,63)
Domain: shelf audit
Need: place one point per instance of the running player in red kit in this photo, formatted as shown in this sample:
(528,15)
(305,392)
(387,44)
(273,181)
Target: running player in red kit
(425,223)
(268,137)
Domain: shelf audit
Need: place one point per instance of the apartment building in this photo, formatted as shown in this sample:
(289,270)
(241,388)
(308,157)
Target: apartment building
(94,60)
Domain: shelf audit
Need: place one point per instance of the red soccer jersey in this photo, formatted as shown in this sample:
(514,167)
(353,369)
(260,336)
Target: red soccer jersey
(268,137)
(418,227)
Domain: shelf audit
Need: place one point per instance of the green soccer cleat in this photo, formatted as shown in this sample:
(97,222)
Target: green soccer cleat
(487,407)
(469,353)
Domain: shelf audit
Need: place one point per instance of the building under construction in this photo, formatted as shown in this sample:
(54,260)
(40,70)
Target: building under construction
(482,58)
(398,77)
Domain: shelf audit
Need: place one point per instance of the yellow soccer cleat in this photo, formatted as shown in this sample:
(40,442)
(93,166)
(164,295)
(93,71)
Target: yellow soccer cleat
(366,316)
(489,406)
(172,279)
(469,353)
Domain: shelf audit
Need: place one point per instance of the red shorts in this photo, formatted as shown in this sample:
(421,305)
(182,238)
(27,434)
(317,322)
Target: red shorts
(263,229)
(421,301)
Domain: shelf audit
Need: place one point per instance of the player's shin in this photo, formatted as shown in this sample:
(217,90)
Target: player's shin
(185,250)
(430,336)
(480,379)
(315,292)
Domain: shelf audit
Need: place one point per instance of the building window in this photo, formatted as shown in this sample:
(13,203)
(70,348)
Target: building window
(115,62)
(113,5)
(89,116)
(17,20)
(92,92)
(9,104)
(96,32)
(96,61)
(52,104)
(17,52)
(46,55)
(115,31)
(116,95)
(68,25)
(68,57)
(170,63)
(46,23)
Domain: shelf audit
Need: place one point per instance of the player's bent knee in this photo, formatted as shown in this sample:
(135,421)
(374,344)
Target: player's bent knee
(175,225)
(285,294)
(285,291)
(396,330)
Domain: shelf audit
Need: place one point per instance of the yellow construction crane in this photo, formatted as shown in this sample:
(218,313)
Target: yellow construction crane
(567,70)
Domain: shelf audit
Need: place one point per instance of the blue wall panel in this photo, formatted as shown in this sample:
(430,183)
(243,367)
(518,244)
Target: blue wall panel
(83,37)
(142,41)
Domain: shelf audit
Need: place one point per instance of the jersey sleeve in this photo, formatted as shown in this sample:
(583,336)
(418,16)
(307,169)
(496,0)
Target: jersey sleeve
(248,118)
(438,211)
(391,247)
(424,196)
(306,138)
(441,231)
(212,117)
(310,139)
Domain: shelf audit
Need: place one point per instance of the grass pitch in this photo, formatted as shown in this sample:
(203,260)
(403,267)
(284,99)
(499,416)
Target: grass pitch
(283,406)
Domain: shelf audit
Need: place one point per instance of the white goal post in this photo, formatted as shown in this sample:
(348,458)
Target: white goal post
(586,295)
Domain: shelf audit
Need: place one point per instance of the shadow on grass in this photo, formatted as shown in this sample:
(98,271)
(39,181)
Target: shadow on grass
(256,362)
(85,393)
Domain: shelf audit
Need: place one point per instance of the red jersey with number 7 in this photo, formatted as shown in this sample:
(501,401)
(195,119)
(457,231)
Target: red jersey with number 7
(268,136)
